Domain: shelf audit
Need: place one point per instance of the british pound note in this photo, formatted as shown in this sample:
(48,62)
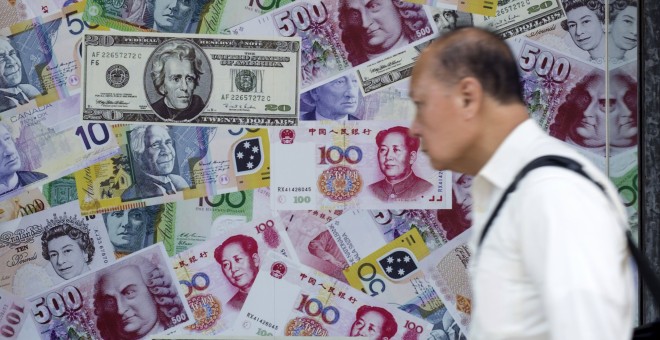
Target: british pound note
(520,16)
(41,250)
(48,142)
(26,203)
(46,61)
(159,164)
(393,275)
(334,36)
(365,165)
(190,79)
(218,275)
(447,272)
(290,299)
(133,298)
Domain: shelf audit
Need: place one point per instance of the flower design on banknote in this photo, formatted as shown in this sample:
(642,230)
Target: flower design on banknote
(314,62)
(340,183)
(304,327)
(206,310)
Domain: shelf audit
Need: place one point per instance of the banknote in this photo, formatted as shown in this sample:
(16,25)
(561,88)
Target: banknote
(46,62)
(516,17)
(159,164)
(355,165)
(392,275)
(624,173)
(12,315)
(35,140)
(228,80)
(344,98)
(313,243)
(447,272)
(291,299)
(483,7)
(61,190)
(129,299)
(222,14)
(202,337)
(43,249)
(335,39)
(15,11)
(26,203)
(217,275)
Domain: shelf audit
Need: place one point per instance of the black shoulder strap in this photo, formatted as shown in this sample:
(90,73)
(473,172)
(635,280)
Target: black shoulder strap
(552,160)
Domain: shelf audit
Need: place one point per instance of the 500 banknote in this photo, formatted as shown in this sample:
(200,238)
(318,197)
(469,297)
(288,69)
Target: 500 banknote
(365,165)
(130,299)
(190,79)
(45,143)
(159,164)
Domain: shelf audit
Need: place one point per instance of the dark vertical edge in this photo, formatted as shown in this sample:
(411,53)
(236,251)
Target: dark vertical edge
(649,155)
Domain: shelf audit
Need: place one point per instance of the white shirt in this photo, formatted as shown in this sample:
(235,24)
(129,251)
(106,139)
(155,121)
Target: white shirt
(555,262)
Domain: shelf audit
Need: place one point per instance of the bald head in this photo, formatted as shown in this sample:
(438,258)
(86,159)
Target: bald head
(475,52)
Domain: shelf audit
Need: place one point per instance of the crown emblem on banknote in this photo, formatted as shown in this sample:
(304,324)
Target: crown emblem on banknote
(73,221)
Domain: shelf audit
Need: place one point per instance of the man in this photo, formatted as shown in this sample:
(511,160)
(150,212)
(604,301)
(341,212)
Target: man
(11,178)
(554,264)
(131,230)
(585,22)
(175,73)
(12,91)
(135,300)
(445,19)
(153,152)
(174,16)
(238,257)
(324,247)
(456,220)
(397,151)
(336,100)
(375,323)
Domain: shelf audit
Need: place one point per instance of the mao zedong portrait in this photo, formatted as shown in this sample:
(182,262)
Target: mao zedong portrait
(371,28)
(131,230)
(13,90)
(11,177)
(336,100)
(374,323)
(175,72)
(397,152)
(153,154)
(135,300)
(69,249)
(238,257)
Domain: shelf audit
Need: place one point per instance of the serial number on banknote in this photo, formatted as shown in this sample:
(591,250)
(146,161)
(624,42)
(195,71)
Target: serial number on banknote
(293,189)
(116,55)
(250,97)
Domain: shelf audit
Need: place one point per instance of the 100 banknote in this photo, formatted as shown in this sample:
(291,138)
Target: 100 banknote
(186,79)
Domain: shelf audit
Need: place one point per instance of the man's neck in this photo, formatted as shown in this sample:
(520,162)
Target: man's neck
(9,182)
(323,114)
(13,90)
(159,178)
(397,181)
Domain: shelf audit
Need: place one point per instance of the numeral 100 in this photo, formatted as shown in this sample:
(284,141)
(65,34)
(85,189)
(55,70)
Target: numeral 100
(327,156)
(414,327)
(306,304)
(13,318)
(56,304)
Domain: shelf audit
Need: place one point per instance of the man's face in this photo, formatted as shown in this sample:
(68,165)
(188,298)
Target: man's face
(623,126)
(585,28)
(173,15)
(179,83)
(158,157)
(10,65)
(67,258)
(126,297)
(10,162)
(624,29)
(592,128)
(370,325)
(445,20)
(337,98)
(127,229)
(394,158)
(462,191)
(381,25)
(239,267)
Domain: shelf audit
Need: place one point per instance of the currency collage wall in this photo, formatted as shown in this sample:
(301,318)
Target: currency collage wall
(189,168)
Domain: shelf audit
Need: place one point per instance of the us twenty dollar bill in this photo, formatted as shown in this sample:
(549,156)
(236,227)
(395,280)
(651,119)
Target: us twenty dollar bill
(130,299)
(190,79)
(365,165)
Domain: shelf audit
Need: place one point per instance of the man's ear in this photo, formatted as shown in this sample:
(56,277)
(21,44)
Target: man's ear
(470,94)
(413,157)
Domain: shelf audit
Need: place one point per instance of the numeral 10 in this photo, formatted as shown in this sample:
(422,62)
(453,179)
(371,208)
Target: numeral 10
(300,18)
(13,319)
(544,63)
(328,157)
(105,134)
(306,303)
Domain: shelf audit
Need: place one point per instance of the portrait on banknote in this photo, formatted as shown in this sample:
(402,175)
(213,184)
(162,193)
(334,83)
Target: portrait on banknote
(325,248)
(622,38)
(374,323)
(581,120)
(585,22)
(456,220)
(15,88)
(238,256)
(13,174)
(133,229)
(397,152)
(371,28)
(176,70)
(448,20)
(339,99)
(154,157)
(67,245)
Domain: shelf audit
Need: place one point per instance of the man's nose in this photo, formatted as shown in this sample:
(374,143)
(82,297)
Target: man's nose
(184,85)
(122,306)
(366,19)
